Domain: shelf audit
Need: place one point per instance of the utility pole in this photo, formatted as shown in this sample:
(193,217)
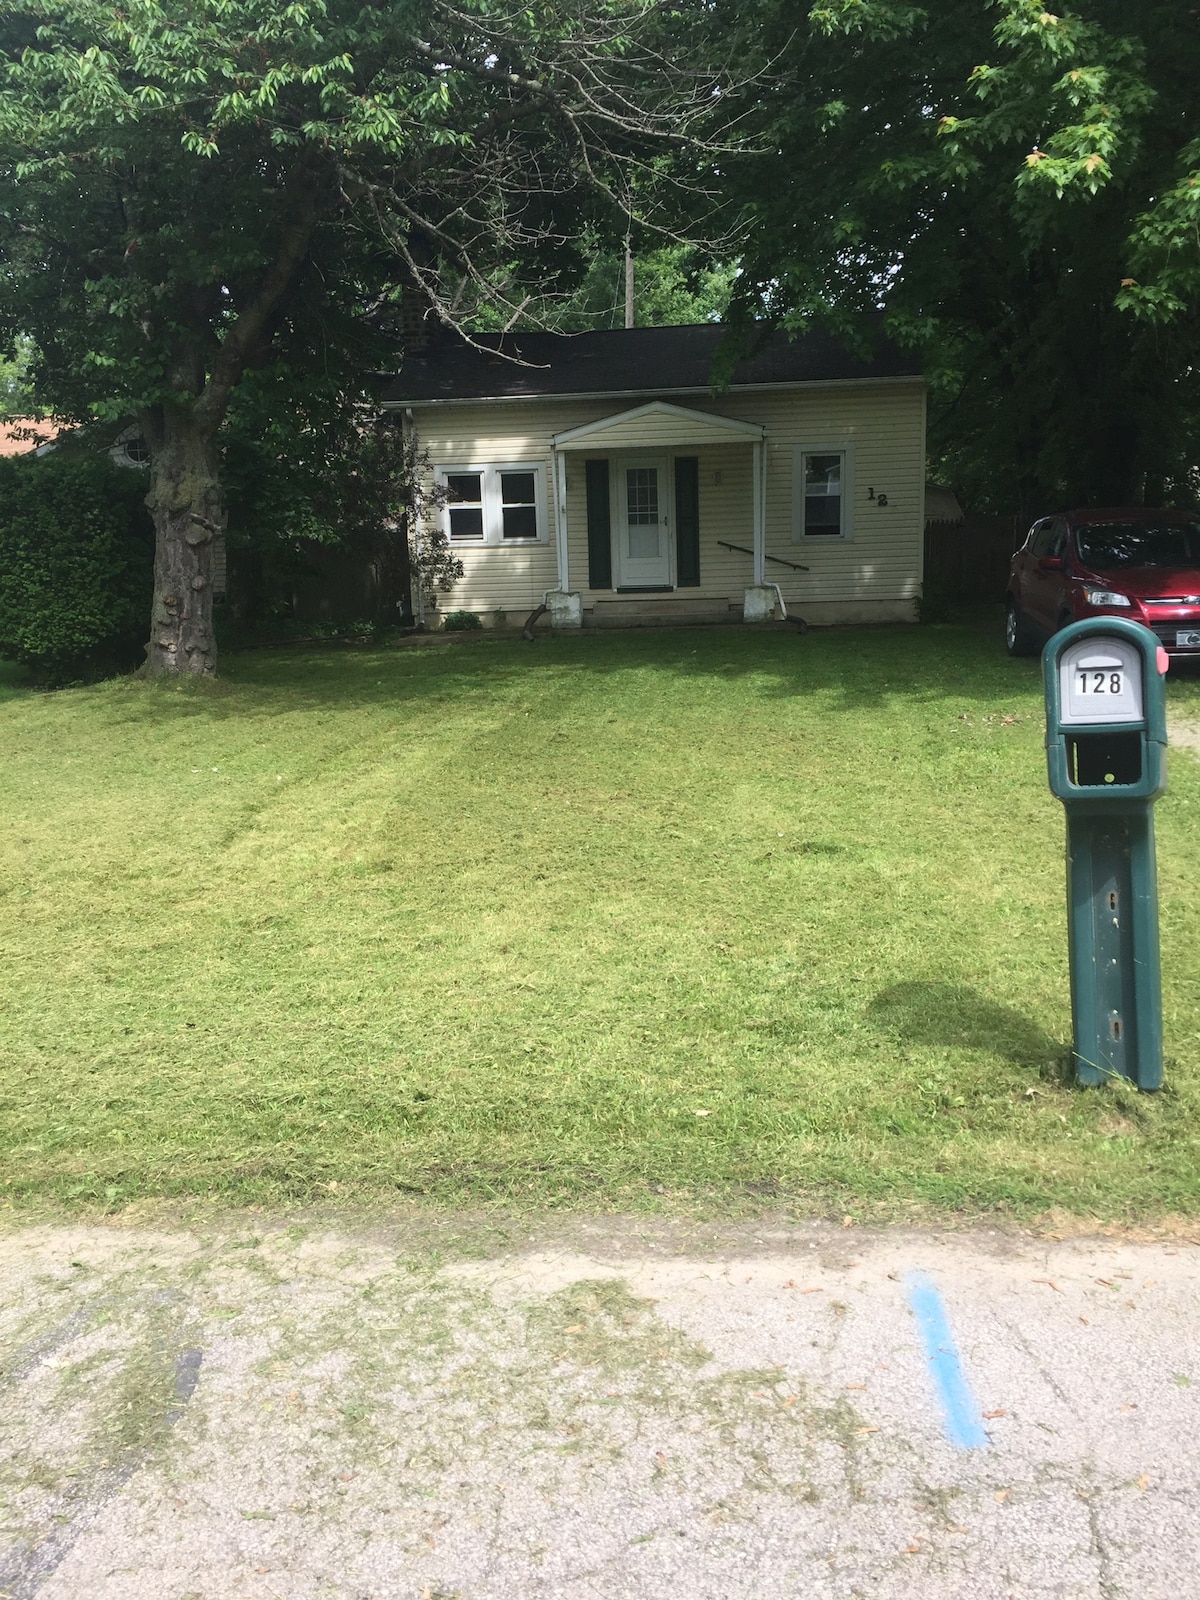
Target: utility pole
(629,323)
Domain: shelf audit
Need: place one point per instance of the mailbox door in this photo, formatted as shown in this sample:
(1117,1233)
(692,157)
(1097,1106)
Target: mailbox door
(1100,680)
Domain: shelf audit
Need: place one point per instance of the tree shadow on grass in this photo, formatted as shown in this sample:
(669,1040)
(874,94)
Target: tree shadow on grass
(839,669)
(848,668)
(957,1016)
(13,680)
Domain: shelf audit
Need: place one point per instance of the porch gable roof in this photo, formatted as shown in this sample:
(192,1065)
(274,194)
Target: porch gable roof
(657,424)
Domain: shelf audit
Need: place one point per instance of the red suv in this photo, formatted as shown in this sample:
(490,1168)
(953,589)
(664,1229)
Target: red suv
(1128,562)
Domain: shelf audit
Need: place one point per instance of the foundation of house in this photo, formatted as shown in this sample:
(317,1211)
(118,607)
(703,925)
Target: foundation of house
(682,609)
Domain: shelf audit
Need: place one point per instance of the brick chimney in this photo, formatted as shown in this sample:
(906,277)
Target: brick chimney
(418,322)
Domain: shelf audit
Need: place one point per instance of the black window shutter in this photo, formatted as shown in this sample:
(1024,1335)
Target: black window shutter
(687,521)
(599,526)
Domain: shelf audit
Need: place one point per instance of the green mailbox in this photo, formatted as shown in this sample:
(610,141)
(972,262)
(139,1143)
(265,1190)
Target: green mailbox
(1106,748)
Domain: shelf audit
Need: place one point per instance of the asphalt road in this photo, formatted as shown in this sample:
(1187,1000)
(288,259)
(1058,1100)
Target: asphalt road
(415,1410)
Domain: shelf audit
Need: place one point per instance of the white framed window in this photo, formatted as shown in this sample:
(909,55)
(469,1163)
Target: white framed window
(495,505)
(822,492)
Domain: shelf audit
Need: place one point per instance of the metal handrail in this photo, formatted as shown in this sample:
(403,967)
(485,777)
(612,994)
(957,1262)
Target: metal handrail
(778,560)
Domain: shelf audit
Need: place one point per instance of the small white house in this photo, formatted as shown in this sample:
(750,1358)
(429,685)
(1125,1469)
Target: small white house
(602,471)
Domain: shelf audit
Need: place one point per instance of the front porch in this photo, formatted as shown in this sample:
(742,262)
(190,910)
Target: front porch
(660,516)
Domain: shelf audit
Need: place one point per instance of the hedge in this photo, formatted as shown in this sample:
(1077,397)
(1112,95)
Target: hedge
(76,567)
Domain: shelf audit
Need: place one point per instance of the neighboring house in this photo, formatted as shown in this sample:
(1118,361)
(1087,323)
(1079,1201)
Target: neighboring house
(129,447)
(21,435)
(125,446)
(602,471)
(941,505)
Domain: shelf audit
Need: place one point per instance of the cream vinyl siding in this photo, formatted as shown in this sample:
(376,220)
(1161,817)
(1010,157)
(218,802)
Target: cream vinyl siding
(499,578)
(884,429)
(884,424)
(653,433)
(509,578)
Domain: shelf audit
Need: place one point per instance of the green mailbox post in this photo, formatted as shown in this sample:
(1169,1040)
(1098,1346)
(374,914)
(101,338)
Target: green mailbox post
(1106,747)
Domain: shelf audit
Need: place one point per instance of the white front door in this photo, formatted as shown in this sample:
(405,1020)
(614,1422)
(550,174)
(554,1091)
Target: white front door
(643,545)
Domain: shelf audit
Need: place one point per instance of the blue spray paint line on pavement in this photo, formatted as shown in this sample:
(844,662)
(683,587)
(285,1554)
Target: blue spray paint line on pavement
(963,1425)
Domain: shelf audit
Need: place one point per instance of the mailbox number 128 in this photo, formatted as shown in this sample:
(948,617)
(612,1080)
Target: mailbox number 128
(1101,683)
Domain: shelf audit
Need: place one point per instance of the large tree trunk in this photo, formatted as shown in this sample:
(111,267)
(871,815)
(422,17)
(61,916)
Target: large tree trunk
(185,502)
(404,574)
(393,576)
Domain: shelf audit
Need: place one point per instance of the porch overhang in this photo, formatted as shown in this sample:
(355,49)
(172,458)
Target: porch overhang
(657,425)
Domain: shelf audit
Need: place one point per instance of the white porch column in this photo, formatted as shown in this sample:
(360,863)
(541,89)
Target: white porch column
(560,516)
(760,515)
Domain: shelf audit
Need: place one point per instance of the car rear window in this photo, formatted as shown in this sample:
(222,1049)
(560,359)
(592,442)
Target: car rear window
(1139,544)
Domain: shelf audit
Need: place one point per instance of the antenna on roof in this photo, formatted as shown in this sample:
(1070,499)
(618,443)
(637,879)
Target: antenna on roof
(628,281)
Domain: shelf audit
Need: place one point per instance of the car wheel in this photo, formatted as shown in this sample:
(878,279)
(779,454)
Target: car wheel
(1019,638)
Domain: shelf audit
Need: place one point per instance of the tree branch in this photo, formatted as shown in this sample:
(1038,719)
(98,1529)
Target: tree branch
(281,277)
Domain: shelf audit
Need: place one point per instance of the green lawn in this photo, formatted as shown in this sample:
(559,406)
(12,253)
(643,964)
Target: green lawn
(659,919)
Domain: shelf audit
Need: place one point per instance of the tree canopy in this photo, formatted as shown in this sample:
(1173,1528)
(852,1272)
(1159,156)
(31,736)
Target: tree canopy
(191,190)
(673,284)
(1019,189)
(16,394)
(201,195)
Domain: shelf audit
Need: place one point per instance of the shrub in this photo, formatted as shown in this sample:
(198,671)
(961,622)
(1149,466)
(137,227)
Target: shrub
(460,622)
(76,567)
(937,602)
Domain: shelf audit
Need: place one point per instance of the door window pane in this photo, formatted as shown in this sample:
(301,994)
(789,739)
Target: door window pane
(823,495)
(518,505)
(643,533)
(642,492)
(645,544)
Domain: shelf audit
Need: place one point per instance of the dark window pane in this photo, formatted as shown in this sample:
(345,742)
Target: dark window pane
(466,522)
(520,522)
(823,474)
(518,488)
(465,486)
(822,516)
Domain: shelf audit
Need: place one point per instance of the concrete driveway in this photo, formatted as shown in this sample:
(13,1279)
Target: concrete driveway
(416,1410)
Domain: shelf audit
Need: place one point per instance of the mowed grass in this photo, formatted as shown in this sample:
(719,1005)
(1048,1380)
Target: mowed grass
(658,919)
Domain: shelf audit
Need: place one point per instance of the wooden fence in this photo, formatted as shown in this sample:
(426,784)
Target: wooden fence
(969,561)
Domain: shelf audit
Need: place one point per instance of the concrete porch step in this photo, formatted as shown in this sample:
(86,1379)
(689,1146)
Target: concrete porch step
(660,611)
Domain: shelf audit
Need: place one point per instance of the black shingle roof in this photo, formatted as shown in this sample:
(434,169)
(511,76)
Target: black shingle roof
(625,361)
